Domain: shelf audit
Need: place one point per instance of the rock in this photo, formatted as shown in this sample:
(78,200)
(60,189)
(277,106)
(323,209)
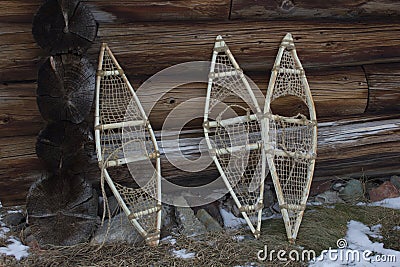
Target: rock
(113,205)
(209,222)
(352,192)
(337,186)
(231,206)
(385,190)
(329,197)
(213,210)
(12,219)
(168,220)
(267,212)
(187,221)
(275,208)
(121,231)
(319,187)
(395,180)
(269,197)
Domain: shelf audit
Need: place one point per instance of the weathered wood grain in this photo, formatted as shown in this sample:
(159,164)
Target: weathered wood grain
(22,11)
(363,145)
(159,10)
(19,114)
(336,91)
(311,9)
(62,210)
(146,48)
(384,87)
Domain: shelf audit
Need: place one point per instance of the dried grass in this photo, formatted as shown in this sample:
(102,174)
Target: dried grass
(321,228)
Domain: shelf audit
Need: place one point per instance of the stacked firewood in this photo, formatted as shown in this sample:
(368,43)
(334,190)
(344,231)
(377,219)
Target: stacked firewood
(62,206)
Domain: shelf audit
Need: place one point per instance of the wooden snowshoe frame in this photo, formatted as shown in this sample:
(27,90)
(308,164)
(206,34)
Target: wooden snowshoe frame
(121,126)
(235,142)
(290,142)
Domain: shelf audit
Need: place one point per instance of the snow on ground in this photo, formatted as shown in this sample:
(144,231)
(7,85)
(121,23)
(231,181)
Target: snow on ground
(14,246)
(182,253)
(230,220)
(357,249)
(169,239)
(392,203)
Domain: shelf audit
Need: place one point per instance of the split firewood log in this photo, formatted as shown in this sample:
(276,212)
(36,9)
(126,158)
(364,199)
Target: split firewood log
(66,88)
(62,210)
(62,26)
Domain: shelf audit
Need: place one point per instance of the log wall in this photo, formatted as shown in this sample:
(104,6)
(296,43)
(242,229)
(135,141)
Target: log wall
(350,51)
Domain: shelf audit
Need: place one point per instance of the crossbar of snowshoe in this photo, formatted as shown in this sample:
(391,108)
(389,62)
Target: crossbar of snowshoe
(214,75)
(230,150)
(231,121)
(120,125)
(136,215)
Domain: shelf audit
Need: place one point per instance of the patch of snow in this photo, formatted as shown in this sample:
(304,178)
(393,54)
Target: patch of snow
(14,211)
(314,203)
(183,254)
(359,243)
(15,248)
(169,239)
(238,238)
(396,228)
(230,220)
(392,203)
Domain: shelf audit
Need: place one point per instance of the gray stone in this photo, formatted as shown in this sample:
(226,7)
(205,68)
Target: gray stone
(121,231)
(168,220)
(14,219)
(269,197)
(231,206)
(267,212)
(209,222)
(396,181)
(352,192)
(187,221)
(329,197)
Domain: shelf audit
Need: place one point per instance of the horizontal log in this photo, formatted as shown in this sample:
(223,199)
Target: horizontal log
(22,11)
(309,9)
(353,147)
(159,10)
(146,48)
(384,87)
(336,91)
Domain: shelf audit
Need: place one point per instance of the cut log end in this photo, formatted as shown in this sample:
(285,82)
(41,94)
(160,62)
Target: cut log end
(66,88)
(62,210)
(64,26)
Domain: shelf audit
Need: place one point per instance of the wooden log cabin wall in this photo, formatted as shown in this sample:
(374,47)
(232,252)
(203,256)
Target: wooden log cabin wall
(350,51)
